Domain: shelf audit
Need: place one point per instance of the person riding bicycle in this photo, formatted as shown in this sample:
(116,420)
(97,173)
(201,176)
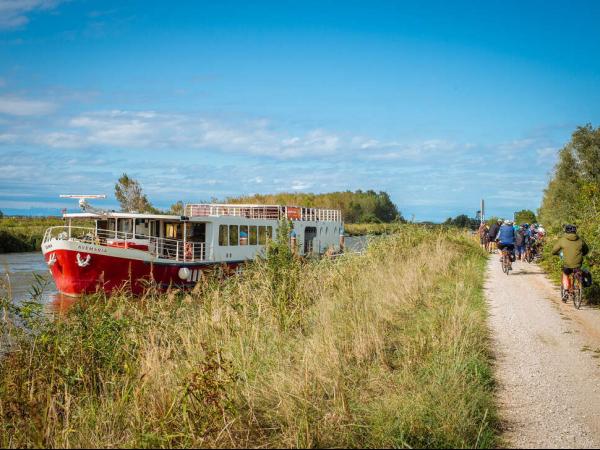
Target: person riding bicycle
(573,250)
(493,232)
(506,238)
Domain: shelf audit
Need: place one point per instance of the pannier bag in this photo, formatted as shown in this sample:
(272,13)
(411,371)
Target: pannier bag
(586,278)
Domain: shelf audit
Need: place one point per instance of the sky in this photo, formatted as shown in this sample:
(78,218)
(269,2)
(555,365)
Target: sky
(438,103)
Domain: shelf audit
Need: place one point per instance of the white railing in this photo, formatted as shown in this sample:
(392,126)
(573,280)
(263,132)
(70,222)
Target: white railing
(269,212)
(172,249)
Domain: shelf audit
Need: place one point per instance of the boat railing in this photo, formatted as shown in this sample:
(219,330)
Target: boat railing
(269,212)
(165,248)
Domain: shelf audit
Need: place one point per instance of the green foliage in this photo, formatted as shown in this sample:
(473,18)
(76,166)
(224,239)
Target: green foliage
(573,196)
(357,207)
(463,221)
(177,208)
(24,234)
(525,216)
(130,195)
(492,220)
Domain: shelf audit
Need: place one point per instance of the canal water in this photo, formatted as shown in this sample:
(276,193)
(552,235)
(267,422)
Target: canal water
(20,272)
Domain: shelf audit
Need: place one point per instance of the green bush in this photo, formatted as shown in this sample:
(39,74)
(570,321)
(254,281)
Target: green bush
(573,196)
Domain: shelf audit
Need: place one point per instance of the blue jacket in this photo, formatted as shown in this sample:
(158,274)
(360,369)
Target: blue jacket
(506,235)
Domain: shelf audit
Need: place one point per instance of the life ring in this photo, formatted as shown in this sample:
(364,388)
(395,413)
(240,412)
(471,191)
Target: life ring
(83,262)
(188,250)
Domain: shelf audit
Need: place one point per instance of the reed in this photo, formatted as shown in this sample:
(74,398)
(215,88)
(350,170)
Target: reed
(386,348)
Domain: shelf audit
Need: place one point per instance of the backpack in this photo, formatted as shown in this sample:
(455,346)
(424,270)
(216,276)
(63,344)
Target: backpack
(586,278)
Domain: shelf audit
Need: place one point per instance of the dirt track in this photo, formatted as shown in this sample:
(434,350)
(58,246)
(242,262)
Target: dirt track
(548,361)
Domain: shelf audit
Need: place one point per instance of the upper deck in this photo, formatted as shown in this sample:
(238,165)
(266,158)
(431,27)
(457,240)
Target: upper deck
(267,212)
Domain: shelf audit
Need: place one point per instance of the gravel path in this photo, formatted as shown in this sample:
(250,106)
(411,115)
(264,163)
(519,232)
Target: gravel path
(547,361)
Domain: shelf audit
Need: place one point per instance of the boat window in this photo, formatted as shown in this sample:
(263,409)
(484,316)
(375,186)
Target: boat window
(142,228)
(243,234)
(171,230)
(223,235)
(269,233)
(233,235)
(197,232)
(253,235)
(262,235)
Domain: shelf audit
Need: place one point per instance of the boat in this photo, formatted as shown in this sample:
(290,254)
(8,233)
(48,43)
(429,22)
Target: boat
(98,250)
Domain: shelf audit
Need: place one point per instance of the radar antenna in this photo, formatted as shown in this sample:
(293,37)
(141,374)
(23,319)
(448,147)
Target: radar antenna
(84,205)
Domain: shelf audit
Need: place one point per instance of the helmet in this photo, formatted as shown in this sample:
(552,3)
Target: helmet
(507,222)
(570,229)
(499,221)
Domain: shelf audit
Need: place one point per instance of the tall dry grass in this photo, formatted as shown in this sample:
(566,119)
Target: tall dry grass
(388,348)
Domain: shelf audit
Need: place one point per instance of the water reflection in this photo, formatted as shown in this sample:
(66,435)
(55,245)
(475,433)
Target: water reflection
(61,303)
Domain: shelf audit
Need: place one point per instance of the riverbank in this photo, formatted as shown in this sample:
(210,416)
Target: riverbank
(24,234)
(385,348)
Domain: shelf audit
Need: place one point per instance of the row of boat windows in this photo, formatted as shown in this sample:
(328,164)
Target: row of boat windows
(244,234)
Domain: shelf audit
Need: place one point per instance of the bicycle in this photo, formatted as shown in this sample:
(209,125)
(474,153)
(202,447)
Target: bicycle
(506,261)
(529,253)
(575,292)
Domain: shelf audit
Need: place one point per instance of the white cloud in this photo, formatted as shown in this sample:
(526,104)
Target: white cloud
(150,129)
(16,106)
(155,130)
(13,13)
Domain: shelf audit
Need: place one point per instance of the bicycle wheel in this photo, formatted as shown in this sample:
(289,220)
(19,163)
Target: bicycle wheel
(577,294)
(505,264)
(564,294)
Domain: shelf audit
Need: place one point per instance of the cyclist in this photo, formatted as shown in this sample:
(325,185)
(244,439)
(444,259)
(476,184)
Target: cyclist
(493,233)
(573,249)
(506,238)
(520,242)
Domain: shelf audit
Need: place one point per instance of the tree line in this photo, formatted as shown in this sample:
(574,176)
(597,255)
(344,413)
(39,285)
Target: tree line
(357,207)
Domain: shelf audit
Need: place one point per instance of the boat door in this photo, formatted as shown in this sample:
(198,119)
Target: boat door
(310,234)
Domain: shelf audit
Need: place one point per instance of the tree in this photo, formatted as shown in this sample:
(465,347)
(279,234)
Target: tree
(573,197)
(177,208)
(1,214)
(463,221)
(130,195)
(525,216)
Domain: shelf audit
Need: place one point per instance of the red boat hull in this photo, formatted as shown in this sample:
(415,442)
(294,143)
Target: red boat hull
(110,273)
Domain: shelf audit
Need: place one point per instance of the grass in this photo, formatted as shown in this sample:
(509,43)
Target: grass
(24,234)
(384,349)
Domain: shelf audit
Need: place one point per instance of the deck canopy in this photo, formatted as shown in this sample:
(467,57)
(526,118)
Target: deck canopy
(122,215)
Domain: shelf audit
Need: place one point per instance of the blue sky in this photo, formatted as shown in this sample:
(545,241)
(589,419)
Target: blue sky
(437,103)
